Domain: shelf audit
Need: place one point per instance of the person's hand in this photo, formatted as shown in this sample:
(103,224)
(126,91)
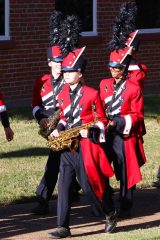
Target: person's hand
(112,123)
(44,122)
(94,134)
(83,133)
(9,134)
(130,51)
(55,133)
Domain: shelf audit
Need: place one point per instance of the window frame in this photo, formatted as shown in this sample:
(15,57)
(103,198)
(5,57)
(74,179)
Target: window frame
(94,32)
(6,36)
(149,30)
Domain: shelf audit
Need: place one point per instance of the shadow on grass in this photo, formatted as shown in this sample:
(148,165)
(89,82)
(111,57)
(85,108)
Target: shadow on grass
(146,214)
(151,109)
(21,113)
(27,152)
(152,106)
(25,199)
(151,116)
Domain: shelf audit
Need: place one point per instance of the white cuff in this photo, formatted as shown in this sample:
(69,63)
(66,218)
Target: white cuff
(63,122)
(35,109)
(128,124)
(2,108)
(102,131)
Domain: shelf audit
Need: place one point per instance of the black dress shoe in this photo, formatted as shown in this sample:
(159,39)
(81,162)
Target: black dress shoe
(156,184)
(111,221)
(41,209)
(61,232)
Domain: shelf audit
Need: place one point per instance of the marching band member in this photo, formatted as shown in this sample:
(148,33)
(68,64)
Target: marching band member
(117,98)
(79,105)
(124,34)
(123,104)
(5,121)
(45,104)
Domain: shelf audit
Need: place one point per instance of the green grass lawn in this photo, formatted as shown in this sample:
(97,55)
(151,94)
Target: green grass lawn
(22,163)
(22,160)
(139,234)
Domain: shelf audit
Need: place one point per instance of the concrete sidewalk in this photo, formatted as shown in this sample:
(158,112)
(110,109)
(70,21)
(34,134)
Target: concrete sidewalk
(17,223)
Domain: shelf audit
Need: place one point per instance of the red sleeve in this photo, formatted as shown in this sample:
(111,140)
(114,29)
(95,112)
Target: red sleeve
(36,98)
(138,76)
(101,85)
(3,113)
(134,121)
(100,110)
(101,117)
(2,105)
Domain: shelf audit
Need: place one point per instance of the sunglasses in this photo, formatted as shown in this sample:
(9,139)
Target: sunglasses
(116,70)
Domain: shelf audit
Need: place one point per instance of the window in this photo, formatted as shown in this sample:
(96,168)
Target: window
(4,20)
(148,16)
(86,10)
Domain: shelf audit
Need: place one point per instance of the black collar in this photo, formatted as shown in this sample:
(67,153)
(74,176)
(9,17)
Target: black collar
(74,91)
(117,85)
(57,80)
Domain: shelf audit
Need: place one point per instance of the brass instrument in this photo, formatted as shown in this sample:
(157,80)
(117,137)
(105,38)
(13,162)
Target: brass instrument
(53,120)
(68,138)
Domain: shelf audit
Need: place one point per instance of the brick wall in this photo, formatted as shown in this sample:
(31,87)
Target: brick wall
(24,59)
(150,55)
(98,54)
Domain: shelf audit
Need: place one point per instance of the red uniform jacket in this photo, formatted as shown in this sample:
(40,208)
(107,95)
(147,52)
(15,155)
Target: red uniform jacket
(137,74)
(45,98)
(2,105)
(3,113)
(128,106)
(95,161)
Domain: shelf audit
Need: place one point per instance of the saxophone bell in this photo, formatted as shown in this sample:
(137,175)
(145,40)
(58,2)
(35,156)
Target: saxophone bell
(52,123)
(44,132)
(74,144)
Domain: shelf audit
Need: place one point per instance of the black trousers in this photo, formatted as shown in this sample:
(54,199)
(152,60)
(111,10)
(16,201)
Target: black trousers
(72,165)
(50,177)
(114,148)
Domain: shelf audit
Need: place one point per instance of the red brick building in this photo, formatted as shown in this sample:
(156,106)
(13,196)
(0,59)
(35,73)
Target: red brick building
(24,40)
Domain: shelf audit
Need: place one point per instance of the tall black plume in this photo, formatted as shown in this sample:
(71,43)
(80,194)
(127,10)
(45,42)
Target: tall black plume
(124,24)
(70,34)
(55,27)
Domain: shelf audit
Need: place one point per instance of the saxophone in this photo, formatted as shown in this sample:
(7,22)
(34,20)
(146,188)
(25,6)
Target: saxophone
(53,120)
(68,139)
